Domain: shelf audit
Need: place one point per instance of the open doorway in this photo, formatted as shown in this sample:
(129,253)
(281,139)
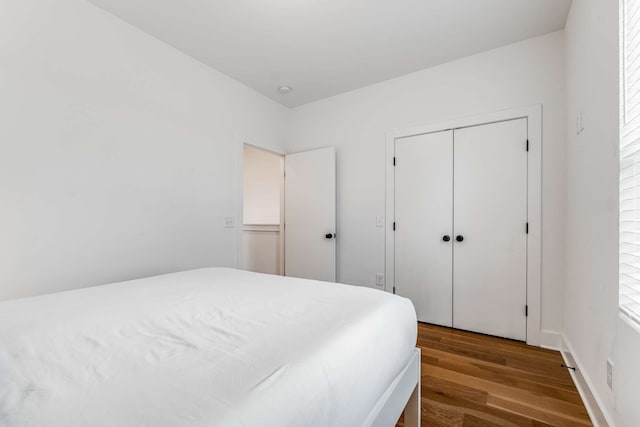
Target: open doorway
(263,213)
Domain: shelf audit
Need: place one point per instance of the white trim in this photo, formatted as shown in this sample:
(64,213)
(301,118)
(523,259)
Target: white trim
(239,214)
(551,340)
(403,392)
(628,320)
(592,401)
(534,210)
(282,217)
(264,228)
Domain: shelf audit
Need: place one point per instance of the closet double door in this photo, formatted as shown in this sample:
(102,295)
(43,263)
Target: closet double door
(461,227)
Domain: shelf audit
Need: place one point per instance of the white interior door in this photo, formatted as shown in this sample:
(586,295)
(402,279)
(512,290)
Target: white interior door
(310,214)
(423,215)
(490,215)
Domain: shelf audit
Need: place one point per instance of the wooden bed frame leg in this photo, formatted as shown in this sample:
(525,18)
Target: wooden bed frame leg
(412,410)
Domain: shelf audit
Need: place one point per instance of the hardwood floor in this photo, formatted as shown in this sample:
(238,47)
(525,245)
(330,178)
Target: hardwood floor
(476,380)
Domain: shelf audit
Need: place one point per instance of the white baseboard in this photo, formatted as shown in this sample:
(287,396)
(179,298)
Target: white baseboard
(592,401)
(551,340)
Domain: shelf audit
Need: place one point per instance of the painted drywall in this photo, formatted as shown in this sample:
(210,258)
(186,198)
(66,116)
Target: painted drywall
(117,152)
(262,186)
(593,328)
(262,249)
(323,48)
(525,73)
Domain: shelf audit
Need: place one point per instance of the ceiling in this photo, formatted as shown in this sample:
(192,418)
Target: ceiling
(325,47)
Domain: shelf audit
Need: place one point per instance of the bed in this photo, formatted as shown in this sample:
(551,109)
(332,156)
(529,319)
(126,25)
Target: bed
(209,347)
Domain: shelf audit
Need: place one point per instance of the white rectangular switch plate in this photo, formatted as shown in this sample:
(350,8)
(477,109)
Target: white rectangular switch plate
(379,279)
(229,222)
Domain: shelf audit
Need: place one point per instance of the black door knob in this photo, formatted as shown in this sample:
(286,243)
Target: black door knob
(329,236)
(446,238)
(459,238)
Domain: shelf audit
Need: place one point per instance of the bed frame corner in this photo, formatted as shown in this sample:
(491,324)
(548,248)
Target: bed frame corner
(404,394)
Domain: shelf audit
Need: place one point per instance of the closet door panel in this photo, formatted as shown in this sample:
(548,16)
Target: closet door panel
(423,215)
(490,214)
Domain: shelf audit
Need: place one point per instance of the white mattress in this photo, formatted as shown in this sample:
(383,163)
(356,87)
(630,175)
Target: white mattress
(209,347)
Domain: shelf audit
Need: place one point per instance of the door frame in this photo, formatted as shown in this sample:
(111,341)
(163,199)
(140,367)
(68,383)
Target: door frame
(239,218)
(533,114)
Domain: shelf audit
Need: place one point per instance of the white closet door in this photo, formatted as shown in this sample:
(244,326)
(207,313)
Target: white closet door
(423,215)
(310,214)
(490,214)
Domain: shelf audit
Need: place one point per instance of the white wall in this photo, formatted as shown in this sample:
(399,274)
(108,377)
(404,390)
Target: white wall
(263,249)
(524,73)
(593,329)
(262,186)
(116,151)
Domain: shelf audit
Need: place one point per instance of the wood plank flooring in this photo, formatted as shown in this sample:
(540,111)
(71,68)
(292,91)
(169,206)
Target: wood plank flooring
(476,380)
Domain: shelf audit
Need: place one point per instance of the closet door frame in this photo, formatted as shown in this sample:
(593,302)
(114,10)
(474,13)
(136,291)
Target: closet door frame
(533,114)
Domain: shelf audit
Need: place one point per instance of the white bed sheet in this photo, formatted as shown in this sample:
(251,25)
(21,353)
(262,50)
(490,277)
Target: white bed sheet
(208,347)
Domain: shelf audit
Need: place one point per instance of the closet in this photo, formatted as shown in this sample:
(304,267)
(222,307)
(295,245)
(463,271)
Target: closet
(461,226)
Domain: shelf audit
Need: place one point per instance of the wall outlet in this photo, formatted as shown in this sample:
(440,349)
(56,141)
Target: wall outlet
(379,279)
(379,220)
(229,222)
(610,374)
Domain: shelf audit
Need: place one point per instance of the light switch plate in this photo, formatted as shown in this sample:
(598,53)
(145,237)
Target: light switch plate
(379,279)
(229,222)
(379,220)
